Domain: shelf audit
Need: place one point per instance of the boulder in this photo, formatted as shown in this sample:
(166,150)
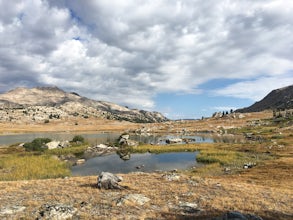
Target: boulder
(133,200)
(57,144)
(124,136)
(108,180)
(233,215)
(52,145)
(64,144)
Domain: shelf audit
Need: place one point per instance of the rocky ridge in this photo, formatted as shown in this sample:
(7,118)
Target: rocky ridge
(52,103)
(278,99)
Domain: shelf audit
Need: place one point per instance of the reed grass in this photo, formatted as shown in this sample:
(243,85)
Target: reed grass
(77,150)
(27,167)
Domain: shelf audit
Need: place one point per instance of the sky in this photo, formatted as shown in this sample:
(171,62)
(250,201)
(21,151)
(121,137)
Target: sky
(185,59)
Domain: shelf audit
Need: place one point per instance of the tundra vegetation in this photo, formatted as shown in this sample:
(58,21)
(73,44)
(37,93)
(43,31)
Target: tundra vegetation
(219,183)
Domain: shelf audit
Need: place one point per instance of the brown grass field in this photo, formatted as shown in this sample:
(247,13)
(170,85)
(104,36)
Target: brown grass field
(265,190)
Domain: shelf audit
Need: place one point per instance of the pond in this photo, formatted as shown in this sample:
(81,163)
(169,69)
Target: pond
(146,162)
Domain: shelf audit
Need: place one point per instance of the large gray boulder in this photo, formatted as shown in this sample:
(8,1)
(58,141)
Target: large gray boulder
(108,180)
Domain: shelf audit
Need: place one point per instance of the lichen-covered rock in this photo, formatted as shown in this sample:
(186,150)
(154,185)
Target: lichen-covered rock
(133,200)
(56,211)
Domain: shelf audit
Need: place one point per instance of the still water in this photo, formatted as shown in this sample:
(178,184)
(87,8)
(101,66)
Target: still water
(103,138)
(146,162)
(93,138)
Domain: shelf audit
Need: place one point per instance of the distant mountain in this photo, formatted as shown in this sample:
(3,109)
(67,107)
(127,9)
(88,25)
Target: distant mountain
(277,99)
(57,103)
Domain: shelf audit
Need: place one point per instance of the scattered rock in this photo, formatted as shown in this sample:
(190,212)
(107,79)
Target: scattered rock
(109,181)
(173,140)
(133,200)
(100,149)
(12,210)
(56,211)
(171,176)
(248,165)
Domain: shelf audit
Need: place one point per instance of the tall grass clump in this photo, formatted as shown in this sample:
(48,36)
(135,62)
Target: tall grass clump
(16,167)
(223,157)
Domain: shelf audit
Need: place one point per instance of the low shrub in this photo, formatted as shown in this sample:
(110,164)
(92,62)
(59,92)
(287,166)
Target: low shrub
(78,139)
(37,144)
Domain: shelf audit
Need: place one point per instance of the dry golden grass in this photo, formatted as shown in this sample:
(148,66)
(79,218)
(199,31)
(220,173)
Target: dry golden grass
(214,195)
(92,124)
(79,125)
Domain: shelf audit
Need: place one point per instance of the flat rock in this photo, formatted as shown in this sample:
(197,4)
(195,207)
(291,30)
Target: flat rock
(133,200)
(234,215)
(12,210)
(56,211)
(188,207)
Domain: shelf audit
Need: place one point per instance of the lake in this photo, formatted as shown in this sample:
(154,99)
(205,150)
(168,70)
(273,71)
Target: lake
(102,138)
(147,161)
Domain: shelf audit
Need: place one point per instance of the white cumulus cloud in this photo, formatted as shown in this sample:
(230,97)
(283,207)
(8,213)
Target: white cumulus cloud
(130,51)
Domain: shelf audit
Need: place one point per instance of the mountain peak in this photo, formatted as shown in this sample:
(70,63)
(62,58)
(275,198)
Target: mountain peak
(73,104)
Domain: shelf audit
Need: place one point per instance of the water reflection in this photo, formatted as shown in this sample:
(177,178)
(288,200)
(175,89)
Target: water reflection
(145,162)
(98,138)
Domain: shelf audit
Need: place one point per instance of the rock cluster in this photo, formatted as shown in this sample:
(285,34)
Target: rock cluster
(100,149)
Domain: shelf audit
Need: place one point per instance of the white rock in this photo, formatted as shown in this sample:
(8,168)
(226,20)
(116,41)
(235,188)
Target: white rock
(53,145)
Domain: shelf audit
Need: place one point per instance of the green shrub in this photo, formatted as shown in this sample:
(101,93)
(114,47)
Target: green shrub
(78,138)
(37,144)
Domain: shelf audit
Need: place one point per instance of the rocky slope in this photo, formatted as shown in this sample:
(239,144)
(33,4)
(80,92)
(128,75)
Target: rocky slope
(277,99)
(44,103)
